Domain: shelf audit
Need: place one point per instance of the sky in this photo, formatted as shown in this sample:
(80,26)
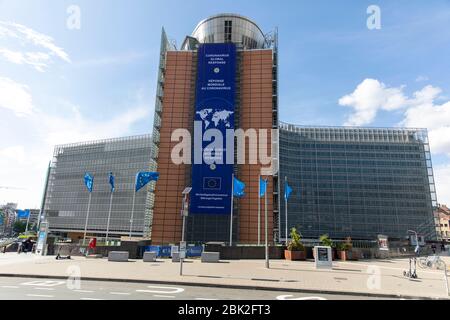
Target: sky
(62,81)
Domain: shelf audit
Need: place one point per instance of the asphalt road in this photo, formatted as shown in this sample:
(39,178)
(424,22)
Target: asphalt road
(57,289)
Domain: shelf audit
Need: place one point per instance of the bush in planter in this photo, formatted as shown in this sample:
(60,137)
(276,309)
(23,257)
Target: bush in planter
(327,242)
(295,249)
(344,249)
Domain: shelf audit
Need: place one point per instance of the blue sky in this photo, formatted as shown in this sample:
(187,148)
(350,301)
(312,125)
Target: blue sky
(59,85)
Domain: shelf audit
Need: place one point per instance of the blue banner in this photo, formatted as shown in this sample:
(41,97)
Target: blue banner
(262,187)
(22,214)
(214,112)
(164,251)
(142,178)
(112,181)
(239,188)
(89,181)
(287,191)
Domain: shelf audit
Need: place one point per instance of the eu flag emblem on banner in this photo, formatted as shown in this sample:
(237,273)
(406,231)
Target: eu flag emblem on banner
(287,191)
(142,178)
(111,181)
(21,214)
(89,181)
(262,187)
(238,188)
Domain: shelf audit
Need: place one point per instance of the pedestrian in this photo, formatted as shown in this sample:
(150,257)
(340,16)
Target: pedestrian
(433,247)
(91,246)
(442,247)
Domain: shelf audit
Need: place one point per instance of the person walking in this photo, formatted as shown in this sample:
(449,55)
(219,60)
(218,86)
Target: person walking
(433,247)
(91,247)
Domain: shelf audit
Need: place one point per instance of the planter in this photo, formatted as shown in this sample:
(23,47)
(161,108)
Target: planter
(294,255)
(348,255)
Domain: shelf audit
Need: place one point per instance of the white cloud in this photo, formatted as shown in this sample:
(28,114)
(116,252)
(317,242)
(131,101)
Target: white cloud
(75,128)
(26,36)
(23,162)
(421,110)
(16,97)
(422,78)
(39,60)
(442,179)
(368,98)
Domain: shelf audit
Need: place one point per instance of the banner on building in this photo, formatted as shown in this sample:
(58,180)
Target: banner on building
(214,114)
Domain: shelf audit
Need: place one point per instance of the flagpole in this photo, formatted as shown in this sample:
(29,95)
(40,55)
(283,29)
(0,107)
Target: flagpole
(132,211)
(285,206)
(28,220)
(109,216)
(87,218)
(231,216)
(266,227)
(259,210)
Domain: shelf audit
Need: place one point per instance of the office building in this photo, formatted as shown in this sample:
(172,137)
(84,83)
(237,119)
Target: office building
(66,199)
(231,51)
(357,182)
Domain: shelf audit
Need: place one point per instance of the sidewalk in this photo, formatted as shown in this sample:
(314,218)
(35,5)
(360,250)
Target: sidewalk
(346,277)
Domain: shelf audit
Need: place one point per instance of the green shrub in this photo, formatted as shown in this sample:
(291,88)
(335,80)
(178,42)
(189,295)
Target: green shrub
(346,246)
(295,244)
(326,241)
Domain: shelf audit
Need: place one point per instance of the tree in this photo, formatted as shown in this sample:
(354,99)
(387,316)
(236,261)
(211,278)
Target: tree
(19,226)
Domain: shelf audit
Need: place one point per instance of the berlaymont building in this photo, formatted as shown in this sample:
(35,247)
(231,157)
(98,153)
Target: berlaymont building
(347,182)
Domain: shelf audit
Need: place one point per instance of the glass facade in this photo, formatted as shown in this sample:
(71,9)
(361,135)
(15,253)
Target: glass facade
(357,182)
(67,197)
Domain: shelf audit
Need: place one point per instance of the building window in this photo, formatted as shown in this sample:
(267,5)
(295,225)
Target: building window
(228,30)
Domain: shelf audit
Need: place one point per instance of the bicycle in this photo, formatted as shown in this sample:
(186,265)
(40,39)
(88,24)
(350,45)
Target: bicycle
(431,262)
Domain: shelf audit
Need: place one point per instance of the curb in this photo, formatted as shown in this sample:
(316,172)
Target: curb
(230,286)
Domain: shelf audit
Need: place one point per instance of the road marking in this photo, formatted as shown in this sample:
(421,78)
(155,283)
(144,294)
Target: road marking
(48,289)
(84,291)
(169,290)
(40,283)
(90,299)
(161,296)
(40,295)
(204,299)
(288,297)
(10,287)
(121,293)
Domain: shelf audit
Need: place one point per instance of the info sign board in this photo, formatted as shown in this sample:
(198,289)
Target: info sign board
(383,244)
(323,258)
(182,249)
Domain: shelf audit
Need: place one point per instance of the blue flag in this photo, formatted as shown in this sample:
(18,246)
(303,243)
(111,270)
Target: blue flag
(111,181)
(238,188)
(287,191)
(89,181)
(142,178)
(262,187)
(21,214)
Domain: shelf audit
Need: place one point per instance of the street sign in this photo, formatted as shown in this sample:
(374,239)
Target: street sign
(173,249)
(323,257)
(182,250)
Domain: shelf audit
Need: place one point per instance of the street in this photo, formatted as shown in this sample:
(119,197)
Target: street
(56,289)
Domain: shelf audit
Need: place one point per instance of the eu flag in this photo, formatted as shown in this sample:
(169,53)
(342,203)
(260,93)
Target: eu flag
(287,191)
(262,187)
(238,188)
(89,181)
(111,181)
(142,178)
